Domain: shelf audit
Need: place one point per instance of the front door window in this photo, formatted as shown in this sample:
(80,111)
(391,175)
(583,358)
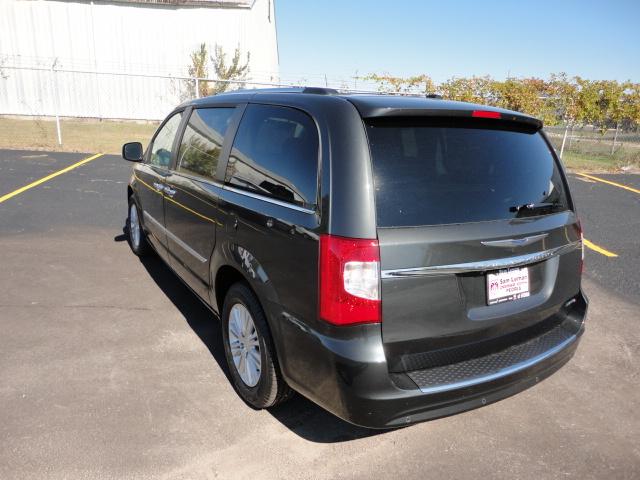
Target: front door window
(163,143)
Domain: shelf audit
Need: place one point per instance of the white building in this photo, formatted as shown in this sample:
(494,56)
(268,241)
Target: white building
(120,38)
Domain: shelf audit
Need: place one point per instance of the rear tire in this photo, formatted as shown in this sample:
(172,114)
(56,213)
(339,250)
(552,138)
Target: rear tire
(249,350)
(135,233)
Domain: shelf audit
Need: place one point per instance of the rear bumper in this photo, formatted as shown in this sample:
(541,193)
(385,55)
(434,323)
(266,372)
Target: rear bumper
(348,375)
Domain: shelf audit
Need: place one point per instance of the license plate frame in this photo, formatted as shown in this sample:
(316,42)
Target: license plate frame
(507,285)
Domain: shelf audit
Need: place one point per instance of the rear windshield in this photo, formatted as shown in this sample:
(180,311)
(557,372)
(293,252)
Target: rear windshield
(430,173)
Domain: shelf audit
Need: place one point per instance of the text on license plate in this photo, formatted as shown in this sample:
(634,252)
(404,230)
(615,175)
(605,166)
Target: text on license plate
(506,285)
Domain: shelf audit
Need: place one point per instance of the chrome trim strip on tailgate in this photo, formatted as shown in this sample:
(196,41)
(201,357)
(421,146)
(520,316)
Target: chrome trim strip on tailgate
(516,367)
(483,265)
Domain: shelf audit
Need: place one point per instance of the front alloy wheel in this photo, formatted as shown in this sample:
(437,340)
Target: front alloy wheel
(134,226)
(137,238)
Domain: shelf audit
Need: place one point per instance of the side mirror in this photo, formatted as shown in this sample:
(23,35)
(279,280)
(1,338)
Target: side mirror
(132,151)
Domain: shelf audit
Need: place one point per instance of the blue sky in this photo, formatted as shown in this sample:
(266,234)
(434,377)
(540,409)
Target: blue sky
(593,39)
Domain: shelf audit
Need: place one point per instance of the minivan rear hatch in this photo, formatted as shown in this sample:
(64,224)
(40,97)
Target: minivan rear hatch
(479,243)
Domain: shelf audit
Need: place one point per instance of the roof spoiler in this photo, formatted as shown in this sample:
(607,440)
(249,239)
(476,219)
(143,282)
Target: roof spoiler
(488,115)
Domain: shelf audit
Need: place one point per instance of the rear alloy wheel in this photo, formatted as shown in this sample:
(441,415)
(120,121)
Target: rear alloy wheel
(249,350)
(244,345)
(137,238)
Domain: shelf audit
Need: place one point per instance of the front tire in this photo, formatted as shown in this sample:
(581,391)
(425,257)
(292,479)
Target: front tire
(249,350)
(137,237)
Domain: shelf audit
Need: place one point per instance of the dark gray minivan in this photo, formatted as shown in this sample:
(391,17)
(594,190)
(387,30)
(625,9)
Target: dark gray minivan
(393,259)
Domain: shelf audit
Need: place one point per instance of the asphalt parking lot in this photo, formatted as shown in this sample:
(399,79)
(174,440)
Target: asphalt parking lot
(111,368)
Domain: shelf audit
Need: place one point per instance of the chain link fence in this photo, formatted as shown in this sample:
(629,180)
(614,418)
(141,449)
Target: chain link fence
(84,110)
(96,111)
(613,146)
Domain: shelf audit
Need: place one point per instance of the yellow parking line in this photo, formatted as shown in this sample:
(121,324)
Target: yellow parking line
(48,177)
(619,185)
(598,249)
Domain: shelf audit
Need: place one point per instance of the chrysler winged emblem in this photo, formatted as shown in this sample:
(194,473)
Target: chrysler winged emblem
(515,242)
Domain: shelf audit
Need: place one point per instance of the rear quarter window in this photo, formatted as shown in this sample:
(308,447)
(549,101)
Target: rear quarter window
(431,173)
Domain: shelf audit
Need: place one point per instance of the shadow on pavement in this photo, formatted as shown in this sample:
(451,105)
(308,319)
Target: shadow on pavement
(300,415)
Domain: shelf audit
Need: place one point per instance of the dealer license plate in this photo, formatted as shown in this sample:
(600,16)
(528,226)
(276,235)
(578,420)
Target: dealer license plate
(507,285)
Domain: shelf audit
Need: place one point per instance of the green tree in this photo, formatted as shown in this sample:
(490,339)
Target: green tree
(475,90)
(234,71)
(631,104)
(199,69)
(562,97)
(388,83)
(522,95)
(588,105)
(612,103)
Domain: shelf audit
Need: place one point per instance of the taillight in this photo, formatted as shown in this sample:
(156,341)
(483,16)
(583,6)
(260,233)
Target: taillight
(579,225)
(349,280)
(485,114)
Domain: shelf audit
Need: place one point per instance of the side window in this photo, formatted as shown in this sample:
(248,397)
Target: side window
(202,141)
(275,153)
(163,143)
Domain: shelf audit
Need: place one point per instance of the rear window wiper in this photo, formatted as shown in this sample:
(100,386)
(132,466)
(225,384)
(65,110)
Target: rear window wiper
(527,209)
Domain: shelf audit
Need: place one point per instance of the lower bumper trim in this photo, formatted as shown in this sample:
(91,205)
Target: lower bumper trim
(501,373)
(494,366)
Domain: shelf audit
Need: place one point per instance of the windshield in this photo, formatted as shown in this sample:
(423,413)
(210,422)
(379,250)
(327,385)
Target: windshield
(430,173)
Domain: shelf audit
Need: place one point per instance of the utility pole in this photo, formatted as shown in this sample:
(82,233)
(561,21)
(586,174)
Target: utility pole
(564,139)
(615,137)
(56,101)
